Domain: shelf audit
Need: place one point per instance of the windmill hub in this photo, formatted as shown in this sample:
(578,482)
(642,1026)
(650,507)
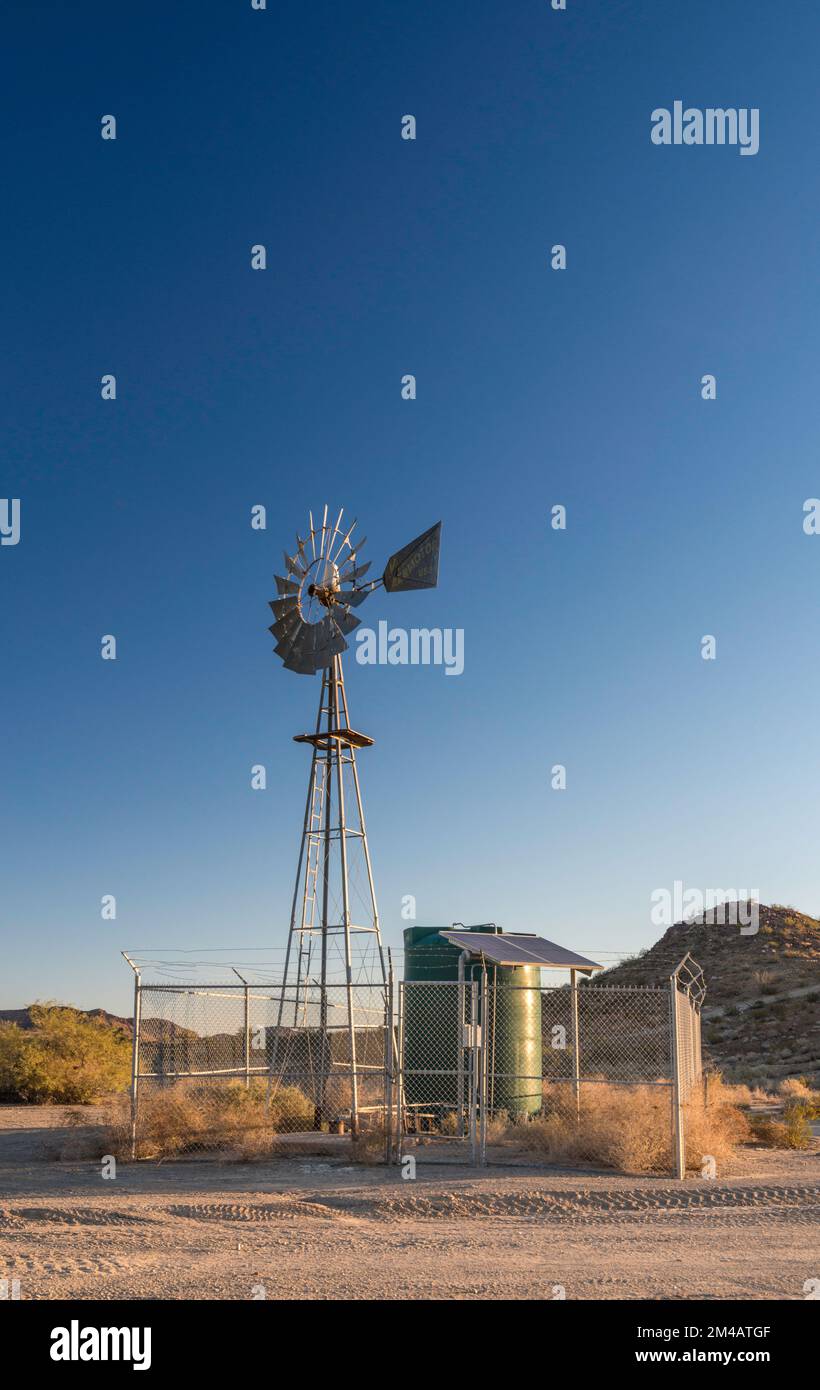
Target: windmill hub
(324,584)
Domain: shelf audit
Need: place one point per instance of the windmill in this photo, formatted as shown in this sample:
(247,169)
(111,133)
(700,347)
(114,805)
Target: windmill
(334,944)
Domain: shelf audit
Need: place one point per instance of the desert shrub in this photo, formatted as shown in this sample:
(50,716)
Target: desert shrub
(291,1110)
(12,1047)
(65,1058)
(628,1128)
(792,1132)
(226,1118)
(740,1093)
(799,1088)
(772,1134)
(796,1117)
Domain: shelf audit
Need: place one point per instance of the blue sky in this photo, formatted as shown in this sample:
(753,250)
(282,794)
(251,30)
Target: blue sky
(282,387)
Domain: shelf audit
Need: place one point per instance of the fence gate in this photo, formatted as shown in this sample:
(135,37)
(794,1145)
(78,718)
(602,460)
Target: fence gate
(439,1069)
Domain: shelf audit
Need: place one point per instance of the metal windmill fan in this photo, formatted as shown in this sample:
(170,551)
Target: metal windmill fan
(322,584)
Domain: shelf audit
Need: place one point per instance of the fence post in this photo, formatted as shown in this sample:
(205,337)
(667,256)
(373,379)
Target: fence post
(135,1061)
(400,1076)
(678,1150)
(247,1038)
(473,1078)
(247,1029)
(576,1054)
(388,1074)
(483,1057)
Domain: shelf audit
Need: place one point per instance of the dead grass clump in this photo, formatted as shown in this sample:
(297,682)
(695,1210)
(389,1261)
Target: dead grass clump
(369,1145)
(628,1128)
(620,1127)
(227,1118)
(792,1132)
(500,1127)
(798,1088)
(713,1128)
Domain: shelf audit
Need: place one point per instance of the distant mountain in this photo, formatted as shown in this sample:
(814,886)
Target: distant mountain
(152,1028)
(761,1019)
(22,1017)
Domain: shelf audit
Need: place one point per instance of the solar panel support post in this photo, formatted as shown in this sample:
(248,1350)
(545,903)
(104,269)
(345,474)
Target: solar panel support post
(482,1058)
(463,1070)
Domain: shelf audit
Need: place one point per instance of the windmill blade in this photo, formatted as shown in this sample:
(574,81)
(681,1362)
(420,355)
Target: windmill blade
(324,529)
(354,575)
(345,621)
(345,541)
(284,646)
(304,666)
(329,642)
(300,546)
(352,596)
(302,652)
(335,531)
(290,624)
(292,566)
(291,643)
(415,566)
(356,550)
(282,606)
(325,656)
(285,586)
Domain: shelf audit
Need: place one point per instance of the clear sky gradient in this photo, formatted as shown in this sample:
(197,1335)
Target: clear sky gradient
(282,387)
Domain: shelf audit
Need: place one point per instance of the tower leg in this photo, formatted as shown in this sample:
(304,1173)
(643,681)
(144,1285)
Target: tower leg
(351,1013)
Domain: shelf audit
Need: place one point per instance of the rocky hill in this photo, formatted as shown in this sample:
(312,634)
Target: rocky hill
(761,1018)
(152,1028)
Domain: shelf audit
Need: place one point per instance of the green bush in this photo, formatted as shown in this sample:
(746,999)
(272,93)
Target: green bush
(66,1058)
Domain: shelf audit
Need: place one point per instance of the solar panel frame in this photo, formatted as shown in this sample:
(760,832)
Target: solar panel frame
(513,949)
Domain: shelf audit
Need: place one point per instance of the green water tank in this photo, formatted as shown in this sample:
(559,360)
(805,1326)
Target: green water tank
(511,1035)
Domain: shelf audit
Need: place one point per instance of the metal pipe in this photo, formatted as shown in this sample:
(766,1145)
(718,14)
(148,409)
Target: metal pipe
(679,1158)
(461,1011)
(135,1058)
(576,1054)
(388,1079)
(483,1057)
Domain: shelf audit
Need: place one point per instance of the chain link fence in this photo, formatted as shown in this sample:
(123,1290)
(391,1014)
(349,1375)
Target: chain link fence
(242,1067)
(474,1071)
(496,1072)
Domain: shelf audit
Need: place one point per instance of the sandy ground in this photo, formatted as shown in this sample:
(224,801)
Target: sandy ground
(319,1228)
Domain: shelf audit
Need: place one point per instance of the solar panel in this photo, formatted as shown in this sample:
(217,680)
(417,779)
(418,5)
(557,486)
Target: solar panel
(512,949)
